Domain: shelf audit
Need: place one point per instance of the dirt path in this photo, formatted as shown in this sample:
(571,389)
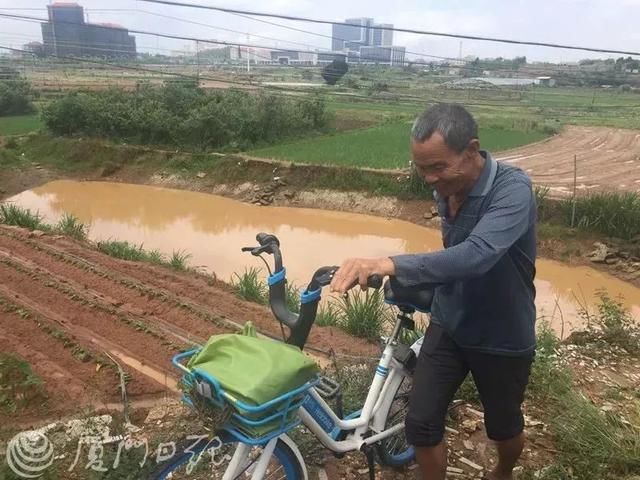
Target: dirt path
(64,306)
(607,159)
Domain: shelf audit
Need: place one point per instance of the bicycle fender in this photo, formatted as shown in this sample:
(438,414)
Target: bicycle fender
(296,451)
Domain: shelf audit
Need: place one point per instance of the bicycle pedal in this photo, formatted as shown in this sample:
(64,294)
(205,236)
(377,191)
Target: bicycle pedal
(327,388)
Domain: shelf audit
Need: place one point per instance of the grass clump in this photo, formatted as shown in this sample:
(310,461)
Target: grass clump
(179,259)
(11,214)
(327,315)
(595,444)
(363,314)
(136,253)
(123,250)
(19,385)
(292,297)
(70,225)
(249,286)
(548,380)
(612,324)
(614,214)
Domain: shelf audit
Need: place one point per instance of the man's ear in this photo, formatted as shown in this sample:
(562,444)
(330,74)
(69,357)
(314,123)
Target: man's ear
(474,146)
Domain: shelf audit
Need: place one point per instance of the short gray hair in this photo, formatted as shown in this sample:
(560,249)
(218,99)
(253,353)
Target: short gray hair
(452,121)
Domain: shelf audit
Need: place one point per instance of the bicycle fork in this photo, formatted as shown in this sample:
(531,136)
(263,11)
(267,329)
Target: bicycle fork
(241,461)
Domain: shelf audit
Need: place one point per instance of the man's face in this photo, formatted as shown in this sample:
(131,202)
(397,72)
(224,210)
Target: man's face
(446,170)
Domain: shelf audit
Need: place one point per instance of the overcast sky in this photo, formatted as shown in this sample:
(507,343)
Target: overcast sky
(612,24)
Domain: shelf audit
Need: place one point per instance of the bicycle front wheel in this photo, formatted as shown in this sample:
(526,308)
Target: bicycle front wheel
(394,451)
(210,460)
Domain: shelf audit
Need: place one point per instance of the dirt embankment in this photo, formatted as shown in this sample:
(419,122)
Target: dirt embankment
(606,159)
(64,307)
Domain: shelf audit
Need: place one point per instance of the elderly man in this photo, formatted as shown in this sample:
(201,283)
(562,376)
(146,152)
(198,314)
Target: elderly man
(483,312)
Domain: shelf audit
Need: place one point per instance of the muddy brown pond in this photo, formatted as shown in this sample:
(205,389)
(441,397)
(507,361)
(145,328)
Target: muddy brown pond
(212,229)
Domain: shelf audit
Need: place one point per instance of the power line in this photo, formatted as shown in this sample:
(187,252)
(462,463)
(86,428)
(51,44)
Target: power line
(224,29)
(418,54)
(539,109)
(128,67)
(395,29)
(146,12)
(218,42)
(284,92)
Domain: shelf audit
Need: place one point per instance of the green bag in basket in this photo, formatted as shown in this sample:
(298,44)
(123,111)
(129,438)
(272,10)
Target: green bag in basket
(254,370)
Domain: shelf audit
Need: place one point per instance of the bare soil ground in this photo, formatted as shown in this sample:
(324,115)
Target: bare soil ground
(64,306)
(607,159)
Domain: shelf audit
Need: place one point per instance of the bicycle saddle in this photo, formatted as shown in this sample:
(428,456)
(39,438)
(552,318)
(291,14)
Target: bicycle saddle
(417,298)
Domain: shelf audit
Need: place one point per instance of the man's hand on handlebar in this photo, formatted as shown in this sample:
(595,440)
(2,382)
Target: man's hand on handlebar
(356,271)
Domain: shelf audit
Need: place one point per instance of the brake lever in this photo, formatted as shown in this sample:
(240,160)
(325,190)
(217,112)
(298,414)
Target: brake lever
(256,251)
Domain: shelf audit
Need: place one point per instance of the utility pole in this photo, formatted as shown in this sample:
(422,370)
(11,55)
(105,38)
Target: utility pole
(248,56)
(198,61)
(575,184)
(52,20)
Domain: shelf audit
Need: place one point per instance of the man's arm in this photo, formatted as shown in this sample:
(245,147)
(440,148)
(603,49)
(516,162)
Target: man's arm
(506,220)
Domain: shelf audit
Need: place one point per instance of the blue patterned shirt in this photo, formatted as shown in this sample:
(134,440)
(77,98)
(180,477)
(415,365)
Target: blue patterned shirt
(484,295)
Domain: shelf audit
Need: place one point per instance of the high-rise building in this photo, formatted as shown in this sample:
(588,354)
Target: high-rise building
(347,36)
(362,40)
(67,34)
(383,37)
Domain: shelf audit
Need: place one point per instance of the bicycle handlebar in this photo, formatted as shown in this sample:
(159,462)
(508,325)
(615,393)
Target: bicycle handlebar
(299,324)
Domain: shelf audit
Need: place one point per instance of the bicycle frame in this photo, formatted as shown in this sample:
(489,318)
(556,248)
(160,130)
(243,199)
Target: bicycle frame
(322,421)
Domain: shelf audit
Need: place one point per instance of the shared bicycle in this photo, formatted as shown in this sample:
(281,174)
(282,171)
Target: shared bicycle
(255,442)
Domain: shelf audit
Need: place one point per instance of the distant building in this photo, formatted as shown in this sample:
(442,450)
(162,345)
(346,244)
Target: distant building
(390,55)
(547,81)
(361,39)
(67,34)
(383,37)
(484,82)
(285,57)
(328,57)
(346,36)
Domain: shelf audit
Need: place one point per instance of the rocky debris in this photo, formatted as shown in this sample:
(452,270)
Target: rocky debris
(623,256)
(432,213)
(601,253)
(471,464)
(470,425)
(265,195)
(93,426)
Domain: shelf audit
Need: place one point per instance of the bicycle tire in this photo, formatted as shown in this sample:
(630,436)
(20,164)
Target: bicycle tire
(394,451)
(288,461)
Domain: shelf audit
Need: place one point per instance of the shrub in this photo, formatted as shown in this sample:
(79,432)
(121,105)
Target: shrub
(182,114)
(613,325)
(15,97)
